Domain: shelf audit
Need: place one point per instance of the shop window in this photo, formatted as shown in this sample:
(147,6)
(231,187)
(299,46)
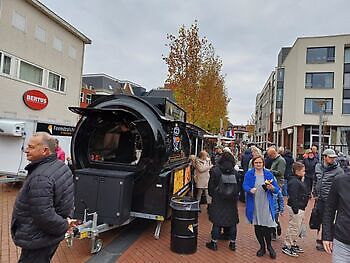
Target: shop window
(30,73)
(316,55)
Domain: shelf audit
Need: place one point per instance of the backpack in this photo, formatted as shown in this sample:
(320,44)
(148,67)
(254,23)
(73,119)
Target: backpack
(227,186)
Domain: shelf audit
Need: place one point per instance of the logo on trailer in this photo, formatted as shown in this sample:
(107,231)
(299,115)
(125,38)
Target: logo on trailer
(35,99)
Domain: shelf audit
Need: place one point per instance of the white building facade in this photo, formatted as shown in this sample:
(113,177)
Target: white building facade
(312,90)
(41,62)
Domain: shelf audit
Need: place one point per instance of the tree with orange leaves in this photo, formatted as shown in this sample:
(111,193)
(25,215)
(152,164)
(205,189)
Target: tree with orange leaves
(194,75)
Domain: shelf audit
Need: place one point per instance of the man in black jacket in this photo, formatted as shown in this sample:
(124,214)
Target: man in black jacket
(41,212)
(325,173)
(336,239)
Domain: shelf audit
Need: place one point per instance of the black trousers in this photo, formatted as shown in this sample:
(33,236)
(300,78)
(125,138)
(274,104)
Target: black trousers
(42,255)
(308,182)
(263,234)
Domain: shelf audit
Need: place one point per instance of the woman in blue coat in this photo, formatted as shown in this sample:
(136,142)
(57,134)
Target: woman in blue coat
(259,184)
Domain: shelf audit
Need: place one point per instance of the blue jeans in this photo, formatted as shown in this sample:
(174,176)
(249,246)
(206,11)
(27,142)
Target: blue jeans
(231,232)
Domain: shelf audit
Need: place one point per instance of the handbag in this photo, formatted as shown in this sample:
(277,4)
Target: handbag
(315,218)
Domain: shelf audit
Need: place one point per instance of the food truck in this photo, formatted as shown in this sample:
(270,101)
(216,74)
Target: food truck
(130,156)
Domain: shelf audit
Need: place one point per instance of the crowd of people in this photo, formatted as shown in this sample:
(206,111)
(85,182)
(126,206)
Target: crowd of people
(269,180)
(43,207)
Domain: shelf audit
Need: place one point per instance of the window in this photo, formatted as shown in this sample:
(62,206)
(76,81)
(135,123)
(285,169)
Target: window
(323,80)
(347,55)
(280,74)
(72,52)
(57,44)
(346,106)
(40,34)
(320,55)
(30,73)
(279,95)
(81,96)
(6,67)
(346,80)
(88,98)
(56,82)
(19,21)
(311,106)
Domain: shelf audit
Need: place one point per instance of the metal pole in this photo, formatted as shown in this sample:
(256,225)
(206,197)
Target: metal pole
(320,132)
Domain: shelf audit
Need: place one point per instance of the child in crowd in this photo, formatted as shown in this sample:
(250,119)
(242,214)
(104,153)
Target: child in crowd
(297,201)
(279,210)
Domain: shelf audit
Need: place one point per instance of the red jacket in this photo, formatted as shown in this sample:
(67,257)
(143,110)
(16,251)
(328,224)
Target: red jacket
(60,154)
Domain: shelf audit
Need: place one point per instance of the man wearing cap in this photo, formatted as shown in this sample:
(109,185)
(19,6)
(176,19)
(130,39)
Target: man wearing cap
(325,173)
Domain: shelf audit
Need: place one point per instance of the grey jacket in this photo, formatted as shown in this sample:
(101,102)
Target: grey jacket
(324,177)
(278,169)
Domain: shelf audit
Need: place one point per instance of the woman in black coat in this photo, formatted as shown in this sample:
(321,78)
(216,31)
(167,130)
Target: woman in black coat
(223,209)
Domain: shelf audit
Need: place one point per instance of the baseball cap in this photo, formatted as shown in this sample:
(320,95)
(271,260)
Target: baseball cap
(330,153)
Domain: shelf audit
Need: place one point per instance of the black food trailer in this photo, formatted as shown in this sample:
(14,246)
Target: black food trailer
(130,156)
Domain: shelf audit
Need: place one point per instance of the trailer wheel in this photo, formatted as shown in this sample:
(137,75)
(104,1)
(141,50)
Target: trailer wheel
(97,246)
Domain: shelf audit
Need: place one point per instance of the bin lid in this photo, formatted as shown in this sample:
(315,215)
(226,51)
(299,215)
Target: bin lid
(185,203)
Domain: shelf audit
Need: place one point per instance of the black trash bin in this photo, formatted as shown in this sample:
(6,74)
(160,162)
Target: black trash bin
(184,225)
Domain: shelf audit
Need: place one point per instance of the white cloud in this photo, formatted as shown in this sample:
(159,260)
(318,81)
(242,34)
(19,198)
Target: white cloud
(129,36)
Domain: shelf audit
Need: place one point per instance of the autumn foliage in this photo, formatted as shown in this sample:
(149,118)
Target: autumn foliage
(195,77)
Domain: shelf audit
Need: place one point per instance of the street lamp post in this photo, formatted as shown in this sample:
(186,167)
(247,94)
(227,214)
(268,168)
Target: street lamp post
(321,104)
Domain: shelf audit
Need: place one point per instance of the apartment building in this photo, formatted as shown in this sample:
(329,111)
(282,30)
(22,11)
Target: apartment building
(264,113)
(41,64)
(311,90)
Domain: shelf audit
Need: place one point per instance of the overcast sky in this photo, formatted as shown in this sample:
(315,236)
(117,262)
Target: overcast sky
(129,36)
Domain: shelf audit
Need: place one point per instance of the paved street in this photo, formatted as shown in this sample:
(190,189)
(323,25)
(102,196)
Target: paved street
(147,249)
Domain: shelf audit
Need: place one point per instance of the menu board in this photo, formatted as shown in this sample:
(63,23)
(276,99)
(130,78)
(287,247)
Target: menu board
(178,180)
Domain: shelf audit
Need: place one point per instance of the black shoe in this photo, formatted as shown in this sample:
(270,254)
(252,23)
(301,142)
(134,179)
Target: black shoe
(261,252)
(272,252)
(212,245)
(279,230)
(297,249)
(232,246)
(289,251)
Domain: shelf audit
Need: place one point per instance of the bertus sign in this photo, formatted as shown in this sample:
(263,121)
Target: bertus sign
(35,99)
(53,129)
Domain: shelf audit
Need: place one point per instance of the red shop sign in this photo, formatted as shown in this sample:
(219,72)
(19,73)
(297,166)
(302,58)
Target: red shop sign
(35,99)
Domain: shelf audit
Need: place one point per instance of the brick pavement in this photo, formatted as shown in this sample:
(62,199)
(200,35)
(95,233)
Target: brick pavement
(147,249)
(9,253)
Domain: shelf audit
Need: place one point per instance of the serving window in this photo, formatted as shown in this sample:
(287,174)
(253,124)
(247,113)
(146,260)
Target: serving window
(115,142)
